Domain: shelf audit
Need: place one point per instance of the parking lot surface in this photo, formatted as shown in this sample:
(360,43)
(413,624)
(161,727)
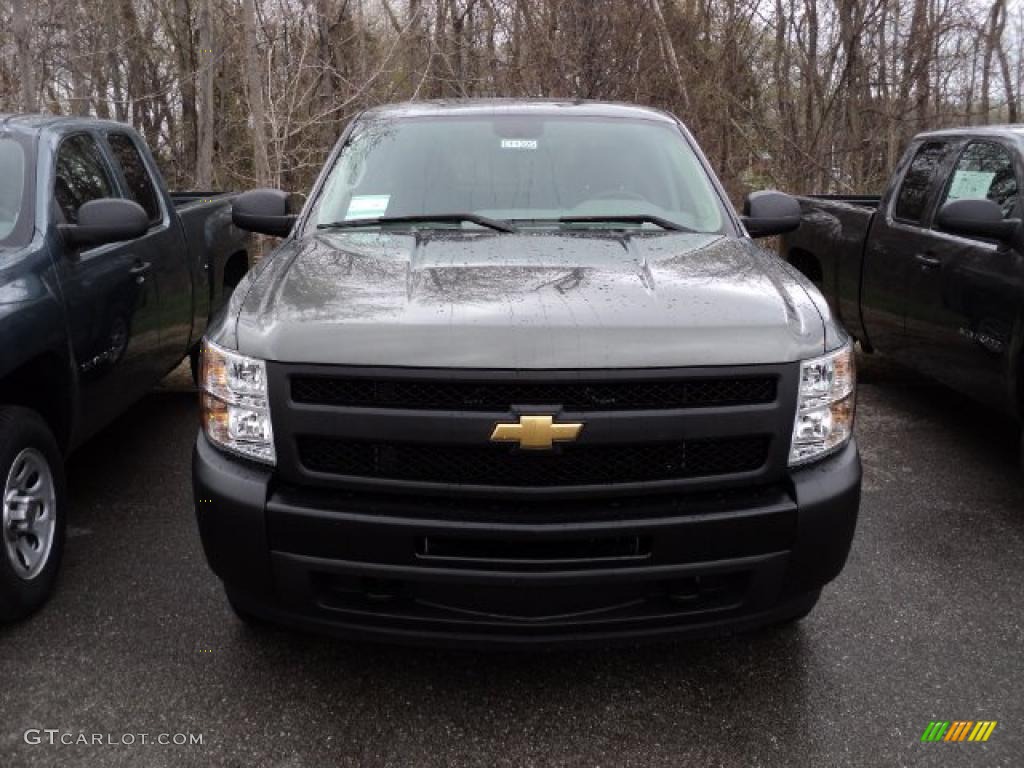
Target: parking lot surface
(924,624)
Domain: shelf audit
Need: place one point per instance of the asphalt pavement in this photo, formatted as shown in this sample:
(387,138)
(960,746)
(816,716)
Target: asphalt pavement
(924,624)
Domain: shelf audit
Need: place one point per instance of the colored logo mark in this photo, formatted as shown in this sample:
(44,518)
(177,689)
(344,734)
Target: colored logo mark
(958,730)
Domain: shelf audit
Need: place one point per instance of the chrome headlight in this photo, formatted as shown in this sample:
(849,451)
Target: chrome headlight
(825,406)
(234,405)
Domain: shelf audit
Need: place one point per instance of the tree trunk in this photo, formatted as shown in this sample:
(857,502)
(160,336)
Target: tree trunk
(207,63)
(326,65)
(254,82)
(361,62)
(77,57)
(26,67)
(992,35)
(186,71)
(668,50)
(134,63)
(1011,95)
(414,63)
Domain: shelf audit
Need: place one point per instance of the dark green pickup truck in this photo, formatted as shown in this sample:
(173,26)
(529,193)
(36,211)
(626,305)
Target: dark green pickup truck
(107,282)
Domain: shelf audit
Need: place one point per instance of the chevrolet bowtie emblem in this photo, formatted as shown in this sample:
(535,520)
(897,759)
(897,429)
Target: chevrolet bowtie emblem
(535,433)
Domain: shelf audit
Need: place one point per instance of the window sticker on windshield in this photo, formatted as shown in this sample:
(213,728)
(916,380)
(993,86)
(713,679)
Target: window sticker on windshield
(970,185)
(367,206)
(518,143)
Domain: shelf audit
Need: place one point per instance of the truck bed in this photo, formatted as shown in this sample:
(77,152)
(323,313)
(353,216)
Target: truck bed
(828,248)
(183,199)
(860,201)
(212,247)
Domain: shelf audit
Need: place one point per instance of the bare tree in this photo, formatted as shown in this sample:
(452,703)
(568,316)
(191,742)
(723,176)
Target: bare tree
(26,67)
(254,82)
(799,94)
(207,65)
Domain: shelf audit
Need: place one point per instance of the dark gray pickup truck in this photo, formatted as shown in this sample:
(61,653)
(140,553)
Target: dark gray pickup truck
(107,282)
(932,273)
(518,375)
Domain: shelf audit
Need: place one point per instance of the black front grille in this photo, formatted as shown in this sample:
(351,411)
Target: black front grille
(494,465)
(572,395)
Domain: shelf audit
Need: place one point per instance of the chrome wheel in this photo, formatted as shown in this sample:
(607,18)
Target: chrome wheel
(29,519)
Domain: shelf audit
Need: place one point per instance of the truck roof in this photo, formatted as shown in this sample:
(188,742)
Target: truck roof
(439,107)
(1015,130)
(38,122)
(537,107)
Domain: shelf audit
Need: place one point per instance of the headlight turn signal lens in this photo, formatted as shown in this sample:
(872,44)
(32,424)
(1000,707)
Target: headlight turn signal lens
(825,406)
(234,405)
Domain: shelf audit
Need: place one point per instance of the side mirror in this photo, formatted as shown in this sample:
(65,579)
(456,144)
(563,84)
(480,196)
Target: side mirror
(976,218)
(769,212)
(264,211)
(107,220)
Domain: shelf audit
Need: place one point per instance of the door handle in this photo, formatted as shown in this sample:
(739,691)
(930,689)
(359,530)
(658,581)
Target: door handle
(139,270)
(927,261)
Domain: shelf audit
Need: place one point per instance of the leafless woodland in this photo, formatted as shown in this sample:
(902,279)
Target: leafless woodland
(798,94)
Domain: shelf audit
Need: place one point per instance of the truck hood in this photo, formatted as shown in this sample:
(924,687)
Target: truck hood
(527,300)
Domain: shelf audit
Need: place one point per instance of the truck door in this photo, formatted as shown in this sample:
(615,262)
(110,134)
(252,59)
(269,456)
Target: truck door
(963,292)
(163,248)
(109,297)
(898,233)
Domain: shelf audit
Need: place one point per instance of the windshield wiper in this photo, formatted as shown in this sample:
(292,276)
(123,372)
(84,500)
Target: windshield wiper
(628,218)
(483,221)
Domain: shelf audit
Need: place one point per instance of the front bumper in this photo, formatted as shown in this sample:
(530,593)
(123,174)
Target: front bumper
(514,574)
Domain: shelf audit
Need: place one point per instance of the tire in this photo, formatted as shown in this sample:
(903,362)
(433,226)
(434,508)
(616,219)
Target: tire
(34,512)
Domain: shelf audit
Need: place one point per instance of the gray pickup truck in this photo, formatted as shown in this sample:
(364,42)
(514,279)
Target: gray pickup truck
(932,272)
(107,282)
(518,375)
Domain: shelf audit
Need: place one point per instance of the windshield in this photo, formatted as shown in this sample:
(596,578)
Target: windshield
(15,202)
(525,169)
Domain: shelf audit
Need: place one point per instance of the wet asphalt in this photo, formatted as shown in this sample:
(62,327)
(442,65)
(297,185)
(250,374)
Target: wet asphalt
(925,623)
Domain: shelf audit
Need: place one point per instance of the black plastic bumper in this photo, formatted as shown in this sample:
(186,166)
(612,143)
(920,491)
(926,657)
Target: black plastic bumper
(421,570)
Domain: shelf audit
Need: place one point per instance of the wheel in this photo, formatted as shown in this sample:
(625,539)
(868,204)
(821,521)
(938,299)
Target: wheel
(34,512)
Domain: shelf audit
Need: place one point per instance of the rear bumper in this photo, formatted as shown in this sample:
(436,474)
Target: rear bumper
(424,571)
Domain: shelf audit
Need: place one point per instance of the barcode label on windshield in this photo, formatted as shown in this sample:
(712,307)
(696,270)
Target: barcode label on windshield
(518,143)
